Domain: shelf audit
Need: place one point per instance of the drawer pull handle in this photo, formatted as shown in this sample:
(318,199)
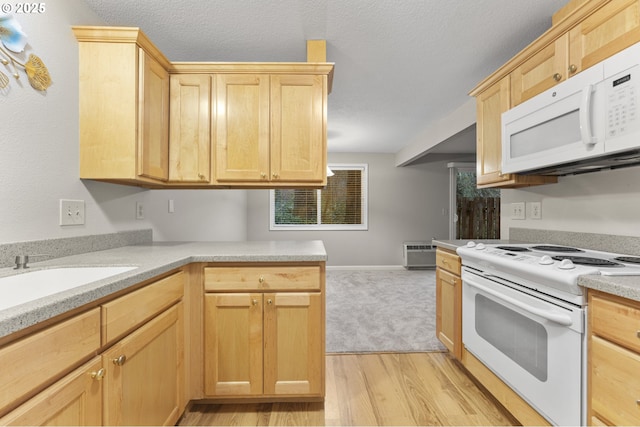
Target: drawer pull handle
(98,375)
(119,361)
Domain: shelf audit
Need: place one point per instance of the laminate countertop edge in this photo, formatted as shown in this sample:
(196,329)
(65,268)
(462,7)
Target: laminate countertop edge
(152,260)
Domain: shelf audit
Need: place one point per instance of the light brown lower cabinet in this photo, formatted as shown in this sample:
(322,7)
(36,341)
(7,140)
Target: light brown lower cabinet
(449,301)
(144,378)
(75,400)
(614,360)
(263,344)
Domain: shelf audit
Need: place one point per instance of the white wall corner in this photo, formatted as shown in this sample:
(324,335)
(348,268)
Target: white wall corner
(437,132)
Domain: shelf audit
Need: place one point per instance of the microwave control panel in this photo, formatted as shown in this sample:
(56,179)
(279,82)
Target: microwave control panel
(622,103)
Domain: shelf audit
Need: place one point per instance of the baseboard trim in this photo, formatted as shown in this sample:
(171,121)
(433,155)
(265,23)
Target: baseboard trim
(365,267)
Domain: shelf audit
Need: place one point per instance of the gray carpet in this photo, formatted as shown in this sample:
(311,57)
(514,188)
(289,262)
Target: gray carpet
(381,311)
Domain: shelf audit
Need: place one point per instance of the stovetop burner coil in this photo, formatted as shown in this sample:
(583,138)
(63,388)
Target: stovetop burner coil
(583,260)
(514,248)
(628,259)
(552,248)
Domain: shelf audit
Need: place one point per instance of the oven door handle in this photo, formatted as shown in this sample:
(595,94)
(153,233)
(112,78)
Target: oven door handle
(559,318)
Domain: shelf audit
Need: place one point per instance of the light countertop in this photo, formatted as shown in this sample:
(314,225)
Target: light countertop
(151,260)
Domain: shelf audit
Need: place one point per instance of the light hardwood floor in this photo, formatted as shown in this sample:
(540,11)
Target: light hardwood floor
(374,389)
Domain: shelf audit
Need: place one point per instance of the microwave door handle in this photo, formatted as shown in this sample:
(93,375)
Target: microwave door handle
(585,117)
(559,318)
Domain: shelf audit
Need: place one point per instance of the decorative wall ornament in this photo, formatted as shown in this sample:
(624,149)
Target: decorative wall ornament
(14,40)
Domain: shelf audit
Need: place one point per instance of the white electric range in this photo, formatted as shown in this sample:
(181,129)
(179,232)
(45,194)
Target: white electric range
(524,317)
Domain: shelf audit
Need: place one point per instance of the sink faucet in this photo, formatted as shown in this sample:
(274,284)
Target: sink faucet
(23,260)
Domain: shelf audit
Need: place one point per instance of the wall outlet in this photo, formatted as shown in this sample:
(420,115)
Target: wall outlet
(535,210)
(71,212)
(517,211)
(139,210)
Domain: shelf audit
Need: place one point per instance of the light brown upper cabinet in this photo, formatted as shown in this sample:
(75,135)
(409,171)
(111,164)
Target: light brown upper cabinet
(190,129)
(583,34)
(490,105)
(542,71)
(270,130)
(124,107)
(600,35)
(149,122)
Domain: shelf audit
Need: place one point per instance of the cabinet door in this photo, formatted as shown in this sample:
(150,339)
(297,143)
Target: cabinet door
(607,31)
(294,344)
(615,385)
(490,106)
(144,378)
(298,128)
(75,400)
(242,127)
(153,119)
(190,129)
(543,70)
(449,311)
(233,344)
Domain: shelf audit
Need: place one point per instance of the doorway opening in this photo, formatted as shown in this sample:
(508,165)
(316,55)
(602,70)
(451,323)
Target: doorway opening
(473,213)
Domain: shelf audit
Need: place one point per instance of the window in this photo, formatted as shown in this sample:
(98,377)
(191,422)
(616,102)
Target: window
(341,205)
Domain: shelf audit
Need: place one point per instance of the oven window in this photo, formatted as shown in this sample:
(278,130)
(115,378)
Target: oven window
(521,339)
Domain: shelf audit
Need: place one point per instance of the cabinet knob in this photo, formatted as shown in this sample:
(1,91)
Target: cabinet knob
(269,301)
(98,375)
(638,334)
(276,176)
(573,68)
(261,279)
(263,175)
(119,361)
(201,176)
(254,302)
(557,77)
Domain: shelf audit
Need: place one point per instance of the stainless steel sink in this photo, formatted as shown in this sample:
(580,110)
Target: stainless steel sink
(24,287)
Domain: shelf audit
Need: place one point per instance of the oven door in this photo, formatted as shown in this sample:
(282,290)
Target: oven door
(535,346)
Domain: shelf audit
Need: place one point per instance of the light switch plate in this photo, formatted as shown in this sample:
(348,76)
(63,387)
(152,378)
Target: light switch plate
(71,212)
(517,211)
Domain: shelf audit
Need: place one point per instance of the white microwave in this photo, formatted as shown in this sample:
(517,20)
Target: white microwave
(588,122)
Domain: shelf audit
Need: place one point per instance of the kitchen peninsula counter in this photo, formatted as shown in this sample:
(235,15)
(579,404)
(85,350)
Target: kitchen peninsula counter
(151,259)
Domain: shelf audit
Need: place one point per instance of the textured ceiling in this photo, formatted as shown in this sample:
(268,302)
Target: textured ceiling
(400,65)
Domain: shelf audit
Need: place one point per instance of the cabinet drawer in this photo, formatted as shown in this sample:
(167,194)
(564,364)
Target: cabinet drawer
(615,385)
(448,260)
(616,321)
(75,400)
(33,361)
(258,278)
(127,312)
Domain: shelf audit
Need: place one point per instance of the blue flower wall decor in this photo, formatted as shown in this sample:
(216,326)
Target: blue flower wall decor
(14,40)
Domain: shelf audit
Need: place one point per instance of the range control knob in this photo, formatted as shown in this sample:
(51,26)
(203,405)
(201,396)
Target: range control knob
(566,264)
(546,260)
(471,244)
(480,246)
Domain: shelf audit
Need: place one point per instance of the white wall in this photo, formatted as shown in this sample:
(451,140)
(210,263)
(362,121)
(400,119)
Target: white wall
(605,202)
(405,203)
(39,155)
